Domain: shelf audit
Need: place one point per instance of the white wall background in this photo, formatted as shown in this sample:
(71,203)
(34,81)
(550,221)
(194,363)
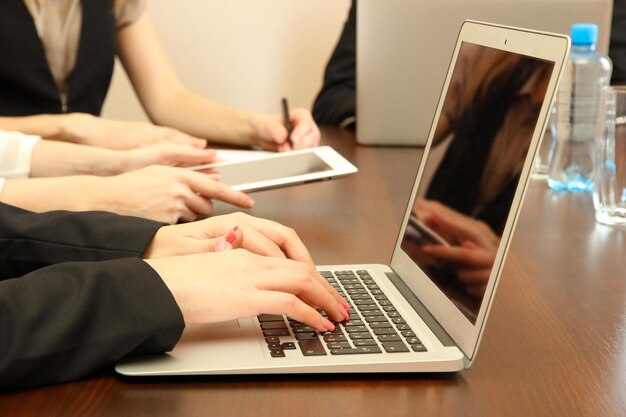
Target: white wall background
(242,53)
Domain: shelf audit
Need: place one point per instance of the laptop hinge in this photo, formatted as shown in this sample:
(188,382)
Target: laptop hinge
(422,311)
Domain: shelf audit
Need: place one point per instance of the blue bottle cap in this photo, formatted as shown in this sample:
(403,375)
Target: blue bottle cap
(584,33)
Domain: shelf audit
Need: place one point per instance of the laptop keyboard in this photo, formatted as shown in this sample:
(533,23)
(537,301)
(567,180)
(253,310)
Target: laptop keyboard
(375,325)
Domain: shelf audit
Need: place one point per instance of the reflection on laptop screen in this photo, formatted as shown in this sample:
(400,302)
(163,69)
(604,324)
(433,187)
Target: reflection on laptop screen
(473,168)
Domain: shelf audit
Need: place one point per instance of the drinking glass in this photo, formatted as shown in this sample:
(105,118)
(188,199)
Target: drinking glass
(610,158)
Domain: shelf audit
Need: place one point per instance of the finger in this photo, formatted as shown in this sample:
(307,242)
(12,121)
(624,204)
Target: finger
(199,205)
(475,258)
(209,188)
(311,140)
(476,290)
(232,240)
(300,279)
(275,302)
(473,276)
(184,213)
(284,237)
(305,135)
(260,244)
(184,155)
(463,228)
(180,137)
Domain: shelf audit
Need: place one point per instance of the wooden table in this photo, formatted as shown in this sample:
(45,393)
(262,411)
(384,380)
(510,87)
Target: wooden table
(555,343)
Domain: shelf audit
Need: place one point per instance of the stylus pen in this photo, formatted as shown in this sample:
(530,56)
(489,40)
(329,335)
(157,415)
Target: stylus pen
(287,121)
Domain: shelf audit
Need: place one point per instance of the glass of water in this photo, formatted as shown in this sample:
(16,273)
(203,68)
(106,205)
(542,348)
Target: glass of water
(610,158)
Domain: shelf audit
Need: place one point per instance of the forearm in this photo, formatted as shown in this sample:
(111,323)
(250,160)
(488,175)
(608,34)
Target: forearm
(54,158)
(48,126)
(66,321)
(62,236)
(201,117)
(74,193)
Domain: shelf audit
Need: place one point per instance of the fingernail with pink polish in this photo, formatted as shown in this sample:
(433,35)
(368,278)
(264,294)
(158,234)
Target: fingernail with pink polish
(344,313)
(328,325)
(231,236)
(221,245)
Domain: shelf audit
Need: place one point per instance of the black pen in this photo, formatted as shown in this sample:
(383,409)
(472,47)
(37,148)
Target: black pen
(287,121)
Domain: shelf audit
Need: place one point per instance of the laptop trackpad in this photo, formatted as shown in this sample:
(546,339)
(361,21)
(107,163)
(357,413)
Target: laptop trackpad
(231,324)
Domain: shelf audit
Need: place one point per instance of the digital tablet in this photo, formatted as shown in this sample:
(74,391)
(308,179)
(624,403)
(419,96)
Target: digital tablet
(281,169)
(425,233)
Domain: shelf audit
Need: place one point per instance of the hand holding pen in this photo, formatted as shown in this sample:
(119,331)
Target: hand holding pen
(269,129)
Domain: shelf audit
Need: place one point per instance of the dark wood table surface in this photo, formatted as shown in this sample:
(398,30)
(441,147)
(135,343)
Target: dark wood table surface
(554,345)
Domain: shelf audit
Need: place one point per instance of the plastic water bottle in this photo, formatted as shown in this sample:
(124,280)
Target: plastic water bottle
(577,102)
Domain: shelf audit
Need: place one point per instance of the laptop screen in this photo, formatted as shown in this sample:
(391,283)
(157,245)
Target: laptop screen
(473,169)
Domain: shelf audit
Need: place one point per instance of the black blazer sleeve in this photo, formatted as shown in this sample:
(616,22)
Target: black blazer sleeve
(29,241)
(75,295)
(336,101)
(66,321)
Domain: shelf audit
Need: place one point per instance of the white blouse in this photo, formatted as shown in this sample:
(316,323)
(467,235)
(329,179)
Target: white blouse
(16,150)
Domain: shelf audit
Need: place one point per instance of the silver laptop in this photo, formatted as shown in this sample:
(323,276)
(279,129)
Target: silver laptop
(403,52)
(425,312)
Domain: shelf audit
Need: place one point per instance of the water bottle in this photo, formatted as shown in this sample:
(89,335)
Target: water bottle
(576,117)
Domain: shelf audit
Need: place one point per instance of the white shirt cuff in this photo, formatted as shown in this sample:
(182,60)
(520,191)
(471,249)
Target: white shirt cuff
(16,150)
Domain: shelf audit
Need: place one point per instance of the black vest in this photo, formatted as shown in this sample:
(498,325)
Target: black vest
(26,83)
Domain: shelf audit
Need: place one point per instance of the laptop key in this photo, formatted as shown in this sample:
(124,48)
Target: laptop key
(389,338)
(276,332)
(363,335)
(273,325)
(288,346)
(277,353)
(395,347)
(372,319)
(338,345)
(356,351)
(365,342)
(356,329)
(270,317)
(350,323)
(303,329)
(312,347)
(307,336)
(335,338)
(419,348)
(380,325)
(386,331)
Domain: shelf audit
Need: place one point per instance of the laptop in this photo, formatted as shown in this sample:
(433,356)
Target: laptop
(403,50)
(426,311)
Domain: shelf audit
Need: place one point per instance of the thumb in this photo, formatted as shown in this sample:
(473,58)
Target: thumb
(230,240)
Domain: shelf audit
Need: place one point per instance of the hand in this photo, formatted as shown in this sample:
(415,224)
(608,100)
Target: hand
(215,287)
(170,154)
(263,237)
(477,244)
(97,131)
(454,226)
(272,133)
(165,194)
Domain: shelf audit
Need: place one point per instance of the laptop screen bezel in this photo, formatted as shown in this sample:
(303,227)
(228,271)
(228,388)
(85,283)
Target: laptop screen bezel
(541,45)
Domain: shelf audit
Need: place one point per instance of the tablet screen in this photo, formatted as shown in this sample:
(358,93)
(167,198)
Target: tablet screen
(272,168)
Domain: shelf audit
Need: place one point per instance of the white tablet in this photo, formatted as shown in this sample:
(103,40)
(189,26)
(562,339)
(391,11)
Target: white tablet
(281,169)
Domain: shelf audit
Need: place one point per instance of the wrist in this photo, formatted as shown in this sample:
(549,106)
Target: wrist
(69,127)
(154,248)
